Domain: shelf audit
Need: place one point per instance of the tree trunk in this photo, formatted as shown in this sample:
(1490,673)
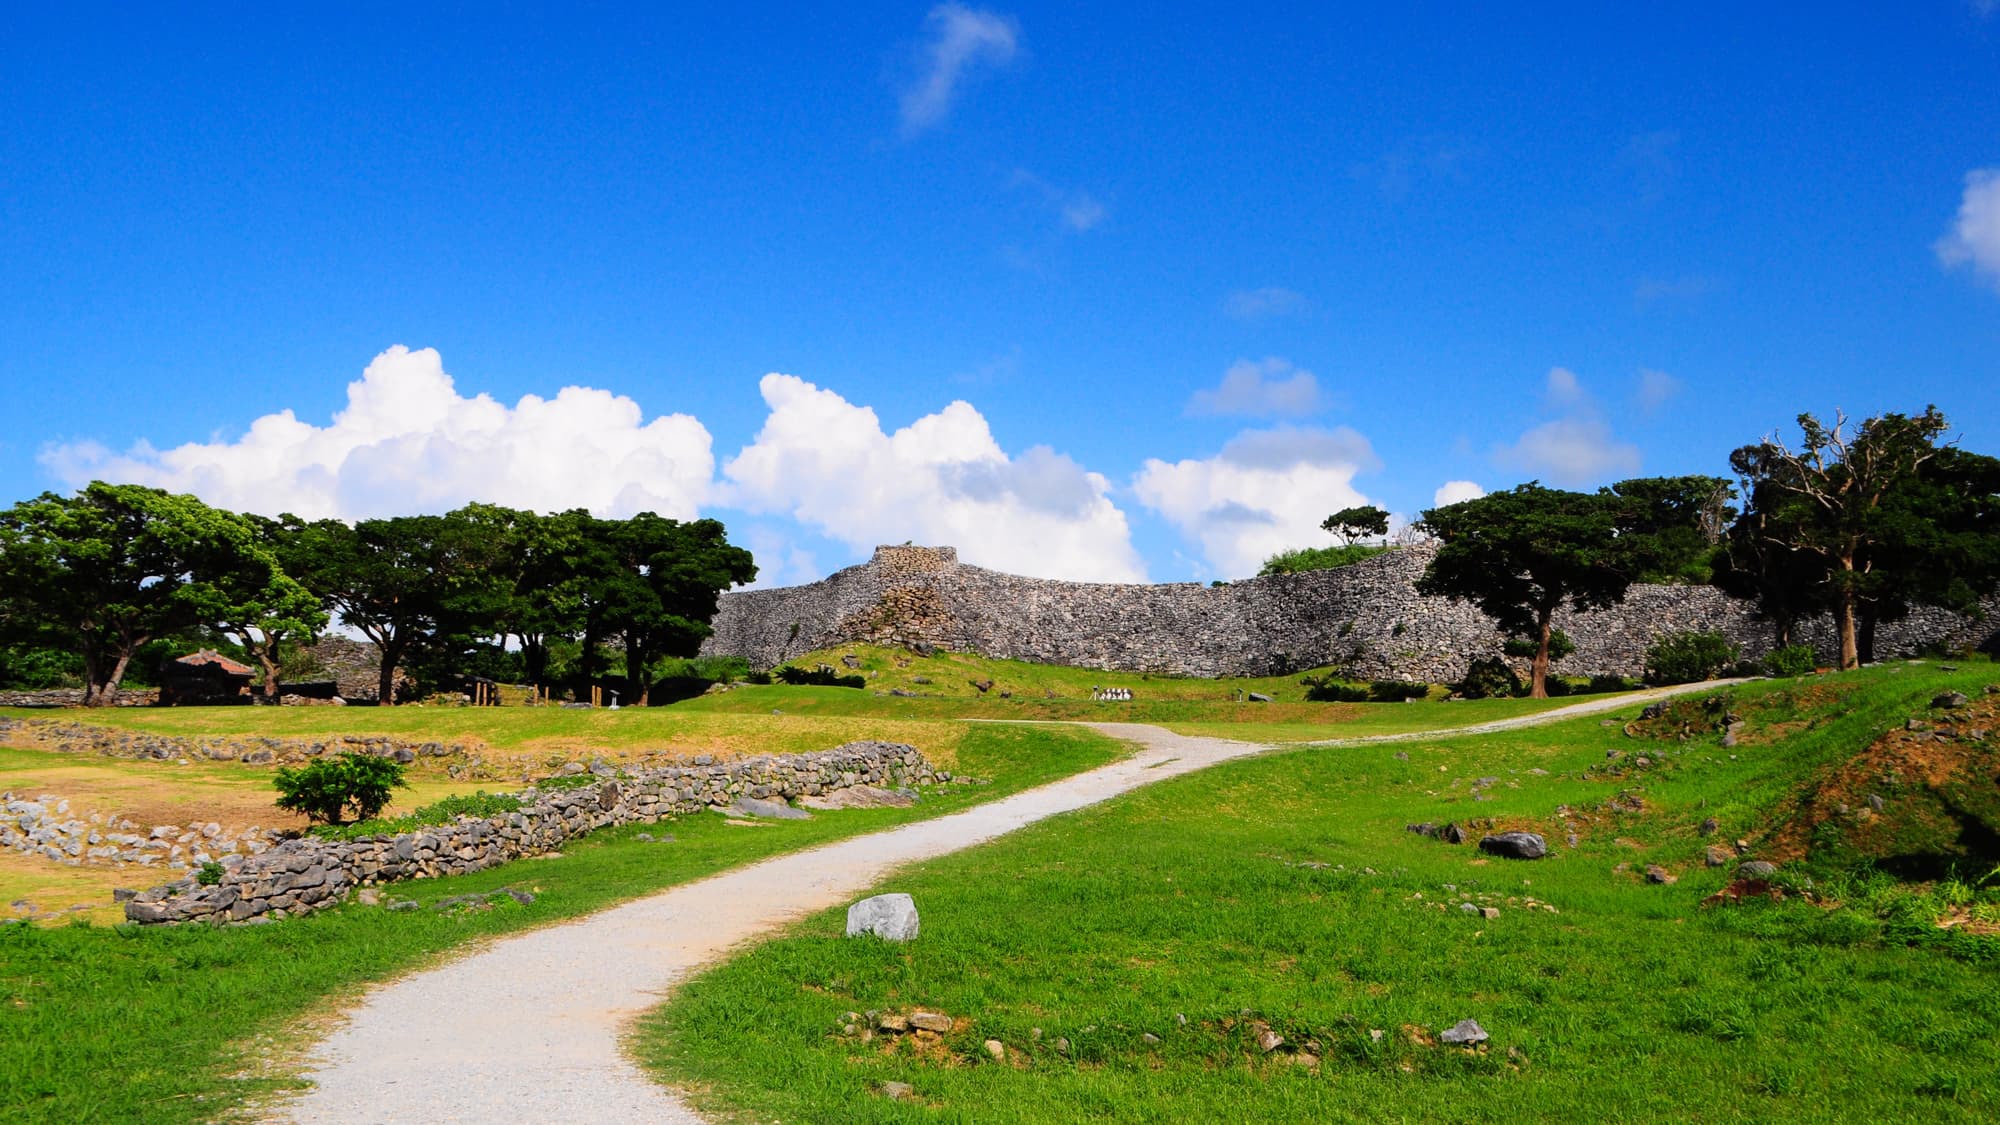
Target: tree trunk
(636,681)
(385,683)
(1538,679)
(105,694)
(263,656)
(1783,625)
(1865,640)
(1843,615)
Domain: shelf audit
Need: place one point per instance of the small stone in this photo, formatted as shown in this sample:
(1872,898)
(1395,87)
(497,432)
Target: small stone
(890,1021)
(891,917)
(1708,826)
(1468,908)
(403,904)
(1657,874)
(1876,802)
(997,1050)
(1464,1032)
(1489,912)
(1950,699)
(898,1091)
(1715,855)
(369,896)
(123,894)
(931,1021)
(1150,1037)
(1268,1040)
(1916,724)
(775,810)
(1062,1045)
(1756,869)
(1515,845)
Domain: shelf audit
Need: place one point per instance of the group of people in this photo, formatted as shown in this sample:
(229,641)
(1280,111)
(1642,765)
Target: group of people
(1111,694)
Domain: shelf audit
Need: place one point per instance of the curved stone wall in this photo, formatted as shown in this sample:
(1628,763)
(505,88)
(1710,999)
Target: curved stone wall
(1367,618)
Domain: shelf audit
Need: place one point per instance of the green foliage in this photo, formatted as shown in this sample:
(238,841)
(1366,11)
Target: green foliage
(1490,678)
(1688,657)
(1560,645)
(209,874)
(1350,524)
(479,804)
(817,677)
(1330,689)
(1319,558)
(325,789)
(37,667)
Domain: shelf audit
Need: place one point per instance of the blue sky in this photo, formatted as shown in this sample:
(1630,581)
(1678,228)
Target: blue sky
(1119,293)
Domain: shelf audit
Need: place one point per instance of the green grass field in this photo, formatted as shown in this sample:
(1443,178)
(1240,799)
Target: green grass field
(166,1024)
(1284,893)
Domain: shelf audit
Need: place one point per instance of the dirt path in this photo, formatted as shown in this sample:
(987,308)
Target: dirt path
(529,1028)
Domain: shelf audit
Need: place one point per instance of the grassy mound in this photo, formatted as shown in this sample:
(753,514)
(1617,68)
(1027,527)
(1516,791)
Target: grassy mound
(1266,940)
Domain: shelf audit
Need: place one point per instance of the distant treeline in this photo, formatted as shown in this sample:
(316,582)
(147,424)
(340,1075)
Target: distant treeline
(115,573)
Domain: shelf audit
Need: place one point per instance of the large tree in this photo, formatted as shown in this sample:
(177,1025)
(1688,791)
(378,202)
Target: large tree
(1839,511)
(1522,554)
(263,620)
(116,566)
(383,576)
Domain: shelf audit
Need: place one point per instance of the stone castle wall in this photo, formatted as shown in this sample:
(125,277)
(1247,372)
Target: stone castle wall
(1367,618)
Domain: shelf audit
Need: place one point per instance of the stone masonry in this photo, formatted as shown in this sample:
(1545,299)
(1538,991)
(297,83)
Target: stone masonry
(1367,618)
(308,874)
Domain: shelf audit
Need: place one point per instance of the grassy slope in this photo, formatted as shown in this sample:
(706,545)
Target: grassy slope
(1205,896)
(127,1024)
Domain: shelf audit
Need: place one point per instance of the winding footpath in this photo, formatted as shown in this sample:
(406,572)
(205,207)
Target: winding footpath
(529,1027)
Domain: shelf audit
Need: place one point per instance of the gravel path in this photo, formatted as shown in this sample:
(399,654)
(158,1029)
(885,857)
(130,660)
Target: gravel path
(529,1027)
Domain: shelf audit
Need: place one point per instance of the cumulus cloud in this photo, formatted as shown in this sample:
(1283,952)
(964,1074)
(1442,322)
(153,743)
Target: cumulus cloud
(1576,447)
(1455,492)
(943,479)
(407,442)
(1975,235)
(1266,388)
(1265,492)
(959,42)
(1267,303)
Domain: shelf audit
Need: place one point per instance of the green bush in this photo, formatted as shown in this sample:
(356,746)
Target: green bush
(1329,689)
(1606,683)
(1319,558)
(1490,678)
(1791,660)
(818,677)
(1396,691)
(1687,657)
(326,789)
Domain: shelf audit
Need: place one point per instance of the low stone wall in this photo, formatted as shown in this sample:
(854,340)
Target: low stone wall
(43,826)
(1367,618)
(73,697)
(309,874)
(71,737)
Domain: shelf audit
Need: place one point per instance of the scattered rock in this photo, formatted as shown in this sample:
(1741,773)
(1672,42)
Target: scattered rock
(1657,874)
(1490,913)
(1715,855)
(769,809)
(1515,845)
(890,1021)
(1062,1045)
(1268,1040)
(860,797)
(997,1050)
(1756,869)
(1950,699)
(1465,1032)
(982,686)
(1468,908)
(931,1021)
(1149,1037)
(891,917)
(1708,826)
(898,1091)
(1876,802)
(1259,697)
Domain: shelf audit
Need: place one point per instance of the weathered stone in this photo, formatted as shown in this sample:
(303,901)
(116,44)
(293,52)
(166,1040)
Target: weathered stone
(1466,1033)
(892,917)
(1950,699)
(996,1050)
(1756,869)
(1515,845)
(898,1091)
(773,810)
(931,1021)
(1715,855)
(1657,874)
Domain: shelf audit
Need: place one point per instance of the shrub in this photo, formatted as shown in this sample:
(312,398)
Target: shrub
(1791,660)
(818,677)
(1685,657)
(1329,689)
(325,789)
(1604,683)
(756,677)
(209,875)
(1490,678)
(1396,691)
(1318,558)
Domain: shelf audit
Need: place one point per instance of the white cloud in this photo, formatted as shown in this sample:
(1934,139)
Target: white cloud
(1455,492)
(960,41)
(1975,235)
(1266,491)
(941,480)
(1571,451)
(1078,210)
(1563,389)
(1266,388)
(407,442)
(1268,302)
(1656,389)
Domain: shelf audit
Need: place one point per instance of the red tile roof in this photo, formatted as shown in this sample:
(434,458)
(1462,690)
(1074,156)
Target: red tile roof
(209,656)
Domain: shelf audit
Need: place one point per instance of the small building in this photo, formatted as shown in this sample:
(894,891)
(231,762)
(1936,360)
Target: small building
(204,678)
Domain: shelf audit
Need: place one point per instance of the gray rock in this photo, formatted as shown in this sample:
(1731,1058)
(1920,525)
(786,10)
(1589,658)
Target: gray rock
(1657,874)
(898,1091)
(1259,697)
(859,797)
(1950,699)
(1464,1032)
(403,904)
(1708,826)
(1876,802)
(1756,869)
(773,810)
(1515,845)
(1715,855)
(931,1021)
(891,917)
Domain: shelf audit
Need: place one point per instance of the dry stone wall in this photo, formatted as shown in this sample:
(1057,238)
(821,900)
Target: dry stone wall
(66,736)
(309,874)
(1367,618)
